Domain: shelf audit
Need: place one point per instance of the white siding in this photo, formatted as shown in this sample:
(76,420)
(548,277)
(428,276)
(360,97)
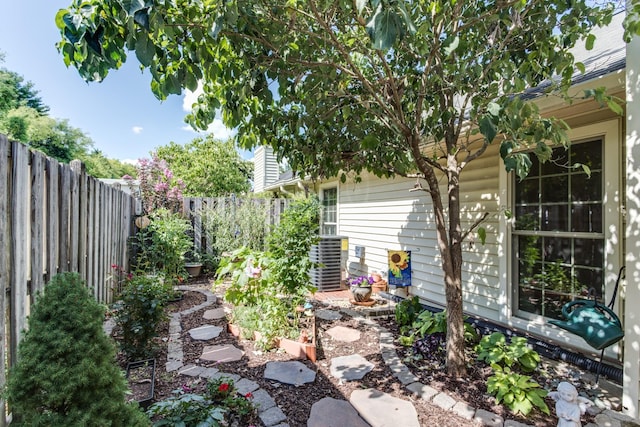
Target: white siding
(265,168)
(382,214)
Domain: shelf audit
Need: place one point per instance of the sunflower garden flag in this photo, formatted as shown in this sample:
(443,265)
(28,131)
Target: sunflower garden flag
(399,268)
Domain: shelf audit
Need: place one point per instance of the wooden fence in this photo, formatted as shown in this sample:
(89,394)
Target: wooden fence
(196,208)
(53,218)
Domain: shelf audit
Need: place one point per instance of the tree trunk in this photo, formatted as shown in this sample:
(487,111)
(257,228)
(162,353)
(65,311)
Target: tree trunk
(451,251)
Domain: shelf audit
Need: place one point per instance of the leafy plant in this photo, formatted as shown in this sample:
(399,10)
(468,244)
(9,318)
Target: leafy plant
(518,392)
(431,345)
(555,277)
(407,311)
(221,405)
(65,373)
(289,244)
(164,244)
(138,313)
(494,350)
(237,223)
(186,409)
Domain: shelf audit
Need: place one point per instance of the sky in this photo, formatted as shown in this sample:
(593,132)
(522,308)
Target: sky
(120,114)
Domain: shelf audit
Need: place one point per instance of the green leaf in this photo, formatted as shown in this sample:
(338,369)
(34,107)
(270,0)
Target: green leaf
(482,235)
(144,49)
(132,6)
(493,108)
(488,129)
(384,28)
(451,45)
(589,42)
(615,107)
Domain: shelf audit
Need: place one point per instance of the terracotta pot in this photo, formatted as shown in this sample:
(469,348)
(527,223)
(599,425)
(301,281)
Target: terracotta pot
(193,268)
(376,277)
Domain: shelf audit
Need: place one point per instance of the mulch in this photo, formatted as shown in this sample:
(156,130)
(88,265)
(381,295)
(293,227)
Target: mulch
(296,402)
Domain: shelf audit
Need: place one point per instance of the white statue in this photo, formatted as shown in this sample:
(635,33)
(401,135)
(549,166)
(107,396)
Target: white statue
(569,406)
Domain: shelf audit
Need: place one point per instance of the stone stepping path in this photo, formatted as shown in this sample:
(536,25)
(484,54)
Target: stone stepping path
(330,412)
(294,373)
(350,368)
(268,412)
(383,410)
(205,333)
(344,334)
(330,315)
(215,314)
(221,353)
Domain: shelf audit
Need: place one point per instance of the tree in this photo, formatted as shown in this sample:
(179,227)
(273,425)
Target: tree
(208,167)
(15,93)
(66,373)
(418,88)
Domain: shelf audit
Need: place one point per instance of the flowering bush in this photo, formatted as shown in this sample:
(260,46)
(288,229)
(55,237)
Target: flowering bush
(158,187)
(360,281)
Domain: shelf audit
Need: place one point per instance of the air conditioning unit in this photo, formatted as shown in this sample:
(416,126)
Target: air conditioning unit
(330,254)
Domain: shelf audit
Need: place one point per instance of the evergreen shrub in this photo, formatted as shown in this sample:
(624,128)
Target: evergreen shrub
(66,373)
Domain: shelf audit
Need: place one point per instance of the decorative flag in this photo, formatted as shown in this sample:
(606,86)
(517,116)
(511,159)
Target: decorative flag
(399,268)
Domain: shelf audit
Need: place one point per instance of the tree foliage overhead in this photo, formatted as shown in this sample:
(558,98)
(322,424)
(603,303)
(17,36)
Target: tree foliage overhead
(208,167)
(394,87)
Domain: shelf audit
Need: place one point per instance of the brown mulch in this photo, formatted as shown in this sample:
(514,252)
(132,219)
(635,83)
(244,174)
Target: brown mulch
(296,402)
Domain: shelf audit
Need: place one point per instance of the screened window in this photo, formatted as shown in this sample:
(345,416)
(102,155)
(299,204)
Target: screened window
(558,236)
(329,217)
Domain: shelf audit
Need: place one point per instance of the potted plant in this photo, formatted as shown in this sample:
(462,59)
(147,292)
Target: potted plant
(193,263)
(360,288)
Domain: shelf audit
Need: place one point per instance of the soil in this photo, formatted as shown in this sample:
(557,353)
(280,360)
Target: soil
(296,402)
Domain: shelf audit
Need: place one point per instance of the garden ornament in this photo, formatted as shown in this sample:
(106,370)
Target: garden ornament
(569,406)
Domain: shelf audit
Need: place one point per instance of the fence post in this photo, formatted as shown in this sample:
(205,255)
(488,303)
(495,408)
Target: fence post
(4,261)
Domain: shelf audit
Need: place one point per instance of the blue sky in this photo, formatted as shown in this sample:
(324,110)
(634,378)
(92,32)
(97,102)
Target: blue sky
(120,114)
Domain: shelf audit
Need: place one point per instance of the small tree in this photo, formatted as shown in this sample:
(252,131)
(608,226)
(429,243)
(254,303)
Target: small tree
(66,373)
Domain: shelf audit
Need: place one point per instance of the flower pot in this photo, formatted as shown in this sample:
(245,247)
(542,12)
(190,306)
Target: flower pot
(141,376)
(193,268)
(380,286)
(361,294)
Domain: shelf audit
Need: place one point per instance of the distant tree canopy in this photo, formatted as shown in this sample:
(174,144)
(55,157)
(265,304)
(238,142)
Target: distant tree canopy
(24,117)
(208,167)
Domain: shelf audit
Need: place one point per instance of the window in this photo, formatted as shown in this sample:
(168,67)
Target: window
(558,238)
(329,215)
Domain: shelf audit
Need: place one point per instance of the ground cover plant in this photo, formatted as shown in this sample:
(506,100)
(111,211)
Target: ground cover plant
(66,373)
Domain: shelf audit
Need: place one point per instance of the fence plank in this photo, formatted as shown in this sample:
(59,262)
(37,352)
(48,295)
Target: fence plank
(19,305)
(5,177)
(90,254)
(53,226)
(37,223)
(63,215)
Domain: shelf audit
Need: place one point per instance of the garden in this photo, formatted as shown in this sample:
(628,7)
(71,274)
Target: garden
(262,287)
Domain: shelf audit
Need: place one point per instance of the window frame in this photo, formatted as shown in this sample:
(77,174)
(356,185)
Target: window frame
(613,214)
(323,209)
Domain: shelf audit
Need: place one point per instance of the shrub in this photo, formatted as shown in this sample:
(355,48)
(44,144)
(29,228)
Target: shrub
(138,312)
(66,373)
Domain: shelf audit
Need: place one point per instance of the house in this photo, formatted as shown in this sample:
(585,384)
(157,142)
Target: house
(566,228)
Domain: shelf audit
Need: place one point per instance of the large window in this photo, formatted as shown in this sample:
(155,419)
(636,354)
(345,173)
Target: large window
(329,218)
(558,236)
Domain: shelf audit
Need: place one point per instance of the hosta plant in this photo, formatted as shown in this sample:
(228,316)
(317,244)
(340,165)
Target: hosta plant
(518,392)
(493,349)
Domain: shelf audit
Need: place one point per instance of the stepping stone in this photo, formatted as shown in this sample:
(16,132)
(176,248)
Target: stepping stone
(325,314)
(295,373)
(330,412)
(214,314)
(342,333)
(221,353)
(382,410)
(350,368)
(205,333)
